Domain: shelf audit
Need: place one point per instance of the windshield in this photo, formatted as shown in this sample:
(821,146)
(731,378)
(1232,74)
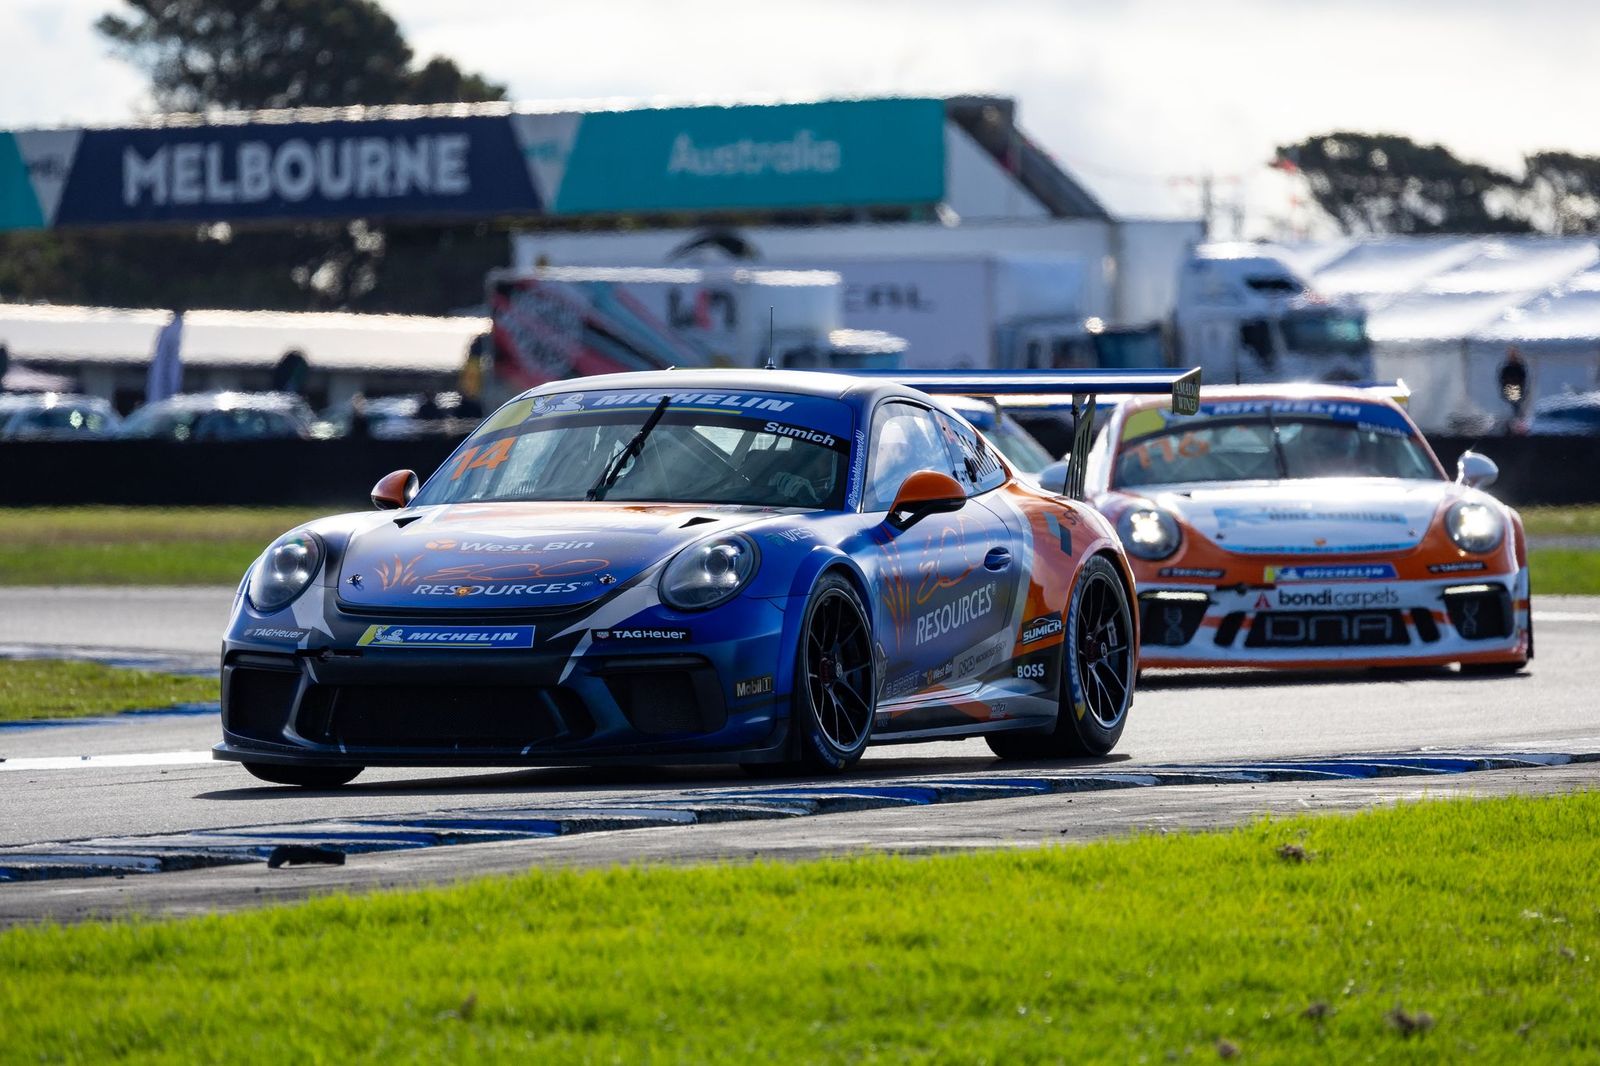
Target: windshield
(1270,446)
(1018,445)
(714,448)
(1130,349)
(1325,333)
(69,418)
(160,422)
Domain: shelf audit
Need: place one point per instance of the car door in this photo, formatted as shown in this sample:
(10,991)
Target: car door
(948,581)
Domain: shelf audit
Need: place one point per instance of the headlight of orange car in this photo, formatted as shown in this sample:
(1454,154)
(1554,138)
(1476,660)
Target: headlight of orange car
(1475,527)
(1148,532)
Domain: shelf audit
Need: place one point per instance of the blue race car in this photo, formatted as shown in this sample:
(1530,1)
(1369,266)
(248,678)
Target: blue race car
(763,567)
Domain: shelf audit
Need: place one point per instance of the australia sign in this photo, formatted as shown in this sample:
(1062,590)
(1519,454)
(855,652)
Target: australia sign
(444,163)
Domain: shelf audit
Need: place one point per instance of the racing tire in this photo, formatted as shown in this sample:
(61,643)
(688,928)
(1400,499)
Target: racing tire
(835,682)
(1098,668)
(304,776)
(1493,669)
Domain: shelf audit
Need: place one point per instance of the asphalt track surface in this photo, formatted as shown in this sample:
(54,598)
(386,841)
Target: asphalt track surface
(139,775)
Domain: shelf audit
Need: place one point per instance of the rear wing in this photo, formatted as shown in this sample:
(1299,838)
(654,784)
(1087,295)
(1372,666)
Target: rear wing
(1073,390)
(1397,390)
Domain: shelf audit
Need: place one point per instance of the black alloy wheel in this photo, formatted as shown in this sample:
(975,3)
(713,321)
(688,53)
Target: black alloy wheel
(1099,664)
(304,776)
(1104,646)
(835,690)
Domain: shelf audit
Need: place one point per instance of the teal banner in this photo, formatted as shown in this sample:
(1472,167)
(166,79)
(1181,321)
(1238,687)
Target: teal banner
(842,153)
(837,153)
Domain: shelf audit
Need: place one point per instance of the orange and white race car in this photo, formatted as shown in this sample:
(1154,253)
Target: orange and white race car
(1309,526)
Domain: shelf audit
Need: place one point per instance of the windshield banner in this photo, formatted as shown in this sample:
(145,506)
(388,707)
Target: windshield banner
(1378,418)
(815,419)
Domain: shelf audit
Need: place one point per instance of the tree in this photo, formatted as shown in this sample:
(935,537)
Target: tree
(1384,183)
(205,55)
(1564,192)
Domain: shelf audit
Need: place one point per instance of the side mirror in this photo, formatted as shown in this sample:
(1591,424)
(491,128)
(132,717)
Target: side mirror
(1476,471)
(394,491)
(1053,478)
(924,493)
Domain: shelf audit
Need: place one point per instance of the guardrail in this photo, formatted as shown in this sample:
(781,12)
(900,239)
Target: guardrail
(339,473)
(332,473)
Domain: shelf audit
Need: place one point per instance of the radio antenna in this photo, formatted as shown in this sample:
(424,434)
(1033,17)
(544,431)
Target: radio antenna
(772,317)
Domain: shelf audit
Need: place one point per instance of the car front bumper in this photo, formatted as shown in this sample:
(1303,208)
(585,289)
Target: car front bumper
(1481,619)
(564,700)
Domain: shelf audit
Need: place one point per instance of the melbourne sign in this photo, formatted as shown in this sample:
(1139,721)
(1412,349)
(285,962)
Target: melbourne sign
(436,165)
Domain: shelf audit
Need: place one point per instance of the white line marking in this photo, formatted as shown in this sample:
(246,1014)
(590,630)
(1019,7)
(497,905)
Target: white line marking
(1565,616)
(101,762)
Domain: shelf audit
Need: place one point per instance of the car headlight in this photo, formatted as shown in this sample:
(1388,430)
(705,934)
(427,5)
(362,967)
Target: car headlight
(285,570)
(1475,527)
(710,572)
(1149,532)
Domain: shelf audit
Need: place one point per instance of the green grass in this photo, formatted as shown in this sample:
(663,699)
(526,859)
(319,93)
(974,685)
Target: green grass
(1481,916)
(1564,571)
(215,545)
(56,688)
(136,545)
(1561,521)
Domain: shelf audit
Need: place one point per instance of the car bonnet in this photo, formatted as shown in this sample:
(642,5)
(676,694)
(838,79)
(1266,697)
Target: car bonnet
(487,556)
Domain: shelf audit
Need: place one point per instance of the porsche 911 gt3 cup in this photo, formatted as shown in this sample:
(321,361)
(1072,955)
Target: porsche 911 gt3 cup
(751,566)
(1310,526)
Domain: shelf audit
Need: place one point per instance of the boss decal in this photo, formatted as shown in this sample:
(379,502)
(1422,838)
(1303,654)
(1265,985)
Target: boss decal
(666,633)
(752,686)
(1039,629)
(1032,671)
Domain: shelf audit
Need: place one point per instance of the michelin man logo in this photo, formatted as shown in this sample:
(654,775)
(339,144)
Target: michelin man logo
(560,403)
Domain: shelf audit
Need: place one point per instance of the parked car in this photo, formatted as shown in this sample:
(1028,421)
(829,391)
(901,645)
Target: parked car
(55,416)
(221,416)
(405,416)
(1566,414)
(765,567)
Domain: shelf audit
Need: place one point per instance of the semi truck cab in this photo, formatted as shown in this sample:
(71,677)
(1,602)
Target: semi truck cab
(1249,318)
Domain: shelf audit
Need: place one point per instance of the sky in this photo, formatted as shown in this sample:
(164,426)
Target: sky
(1136,98)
